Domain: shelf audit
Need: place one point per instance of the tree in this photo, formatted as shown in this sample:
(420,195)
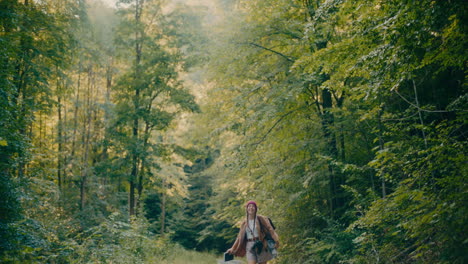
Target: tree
(148,100)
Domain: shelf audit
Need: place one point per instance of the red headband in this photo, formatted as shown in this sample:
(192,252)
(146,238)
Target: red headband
(251,202)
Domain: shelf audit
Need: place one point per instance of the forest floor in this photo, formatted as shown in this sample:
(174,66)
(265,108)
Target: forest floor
(183,256)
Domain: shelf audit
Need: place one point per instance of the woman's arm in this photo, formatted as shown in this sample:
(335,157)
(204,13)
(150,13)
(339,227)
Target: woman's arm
(236,245)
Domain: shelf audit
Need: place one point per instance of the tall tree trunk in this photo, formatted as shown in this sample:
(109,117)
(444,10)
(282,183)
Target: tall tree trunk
(20,82)
(86,140)
(136,102)
(325,113)
(134,173)
(328,120)
(105,154)
(146,136)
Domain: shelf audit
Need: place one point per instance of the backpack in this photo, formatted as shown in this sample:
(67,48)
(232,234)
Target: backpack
(271,223)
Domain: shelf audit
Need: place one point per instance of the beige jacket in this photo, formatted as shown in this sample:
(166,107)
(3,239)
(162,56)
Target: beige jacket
(263,227)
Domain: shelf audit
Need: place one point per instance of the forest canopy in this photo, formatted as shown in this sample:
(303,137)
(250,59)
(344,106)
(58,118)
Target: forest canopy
(135,132)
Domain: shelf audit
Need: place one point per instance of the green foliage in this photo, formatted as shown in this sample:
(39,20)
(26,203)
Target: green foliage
(426,213)
(197,228)
(345,120)
(70,180)
(9,214)
(31,40)
(328,105)
(117,241)
(179,255)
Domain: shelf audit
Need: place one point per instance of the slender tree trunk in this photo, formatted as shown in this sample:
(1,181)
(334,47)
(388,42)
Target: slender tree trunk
(83,190)
(381,143)
(140,185)
(60,140)
(86,139)
(328,120)
(326,115)
(22,85)
(21,94)
(146,136)
(342,144)
(330,137)
(109,76)
(136,101)
(72,158)
(131,200)
(339,105)
(75,113)
(163,209)
(40,134)
(134,173)
(66,155)
(105,154)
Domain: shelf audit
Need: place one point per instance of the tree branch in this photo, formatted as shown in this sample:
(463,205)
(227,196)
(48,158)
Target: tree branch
(314,96)
(419,108)
(275,124)
(270,50)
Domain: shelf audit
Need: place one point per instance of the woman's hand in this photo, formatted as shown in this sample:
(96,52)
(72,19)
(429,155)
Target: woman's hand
(276,244)
(229,251)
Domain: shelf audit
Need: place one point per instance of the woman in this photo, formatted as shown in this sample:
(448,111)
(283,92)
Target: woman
(255,228)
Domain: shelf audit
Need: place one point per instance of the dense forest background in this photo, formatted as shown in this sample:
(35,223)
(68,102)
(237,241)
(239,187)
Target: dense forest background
(135,133)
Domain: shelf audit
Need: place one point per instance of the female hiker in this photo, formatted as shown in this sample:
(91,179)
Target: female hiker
(252,238)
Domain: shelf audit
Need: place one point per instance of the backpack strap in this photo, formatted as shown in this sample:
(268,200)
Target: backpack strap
(271,223)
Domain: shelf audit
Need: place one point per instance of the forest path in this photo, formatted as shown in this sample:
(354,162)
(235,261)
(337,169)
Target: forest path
(183,256)
(230,262)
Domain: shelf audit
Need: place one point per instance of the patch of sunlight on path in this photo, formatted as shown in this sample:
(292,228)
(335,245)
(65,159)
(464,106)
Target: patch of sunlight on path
(179,255)
(182,256)
(220,261)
